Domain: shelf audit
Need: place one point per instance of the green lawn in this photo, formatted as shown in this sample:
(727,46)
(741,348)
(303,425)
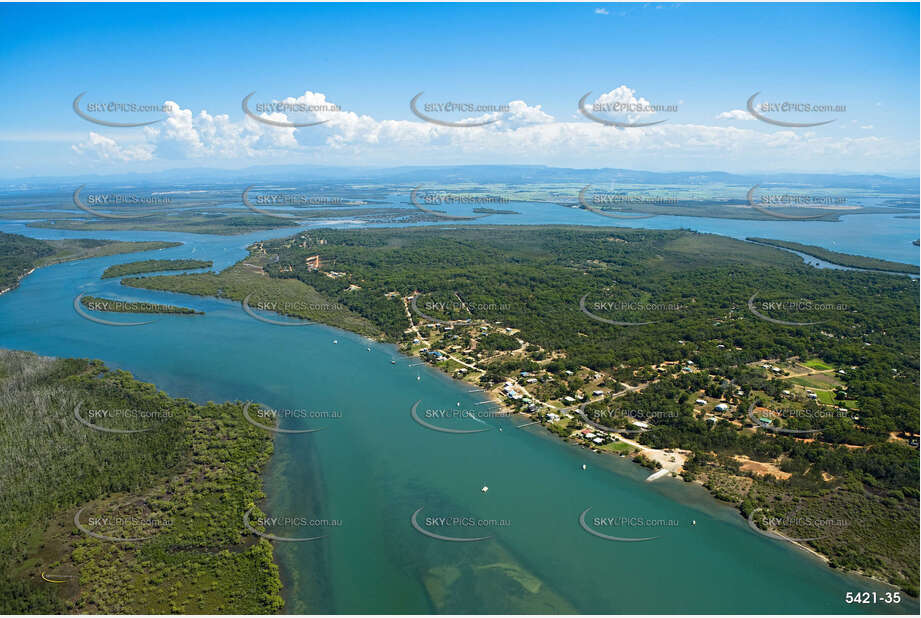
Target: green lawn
(817,364)
(817,381)
(617,447)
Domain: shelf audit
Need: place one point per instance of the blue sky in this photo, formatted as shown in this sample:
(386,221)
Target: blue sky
(371,59)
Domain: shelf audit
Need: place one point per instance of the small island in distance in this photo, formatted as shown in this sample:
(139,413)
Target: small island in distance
(495,211)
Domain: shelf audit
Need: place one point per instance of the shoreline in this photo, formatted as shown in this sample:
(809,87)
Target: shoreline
(804,254)
(18,281)
(61,255)
(656,474)
(493,394)
(824,559)
(661,472)
(189,468)
(672,462)
(661,457)
(288,578)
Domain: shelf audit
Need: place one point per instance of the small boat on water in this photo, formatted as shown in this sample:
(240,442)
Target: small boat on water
(584,467)
(393,362)
(485,489)
(335,341)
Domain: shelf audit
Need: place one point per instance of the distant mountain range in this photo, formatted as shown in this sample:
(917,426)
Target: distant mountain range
(511,174)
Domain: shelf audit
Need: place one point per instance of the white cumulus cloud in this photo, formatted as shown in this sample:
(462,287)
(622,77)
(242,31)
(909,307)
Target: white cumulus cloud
(107,149)
(526,133)
(735,114)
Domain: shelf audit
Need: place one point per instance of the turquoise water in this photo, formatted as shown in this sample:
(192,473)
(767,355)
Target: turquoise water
(882,235)
(373,467)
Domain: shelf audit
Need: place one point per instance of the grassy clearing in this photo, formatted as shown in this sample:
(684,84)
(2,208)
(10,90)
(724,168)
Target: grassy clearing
(817,381)
(285,296)
(617,447)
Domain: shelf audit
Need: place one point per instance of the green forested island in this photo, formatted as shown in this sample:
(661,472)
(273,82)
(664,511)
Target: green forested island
(151,266)
(96,303)
(180,482)
(784,389)
(225,221)
(841,259)
(19,255)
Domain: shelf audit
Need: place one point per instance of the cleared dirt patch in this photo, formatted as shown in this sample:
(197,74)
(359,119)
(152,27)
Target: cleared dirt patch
(761,469)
